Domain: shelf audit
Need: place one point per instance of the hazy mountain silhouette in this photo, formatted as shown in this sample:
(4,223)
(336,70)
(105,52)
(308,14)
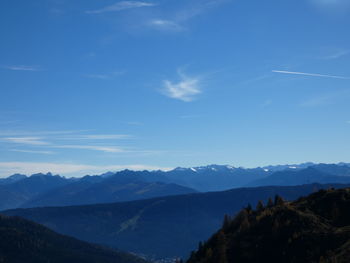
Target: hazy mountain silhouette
(11,179)
(49,190)
(314,174)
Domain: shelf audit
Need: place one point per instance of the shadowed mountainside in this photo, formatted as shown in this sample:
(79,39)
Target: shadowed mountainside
(25,241)
(312,229)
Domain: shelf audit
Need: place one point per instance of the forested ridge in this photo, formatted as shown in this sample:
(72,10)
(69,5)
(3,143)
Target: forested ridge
(25,241)
(312,229)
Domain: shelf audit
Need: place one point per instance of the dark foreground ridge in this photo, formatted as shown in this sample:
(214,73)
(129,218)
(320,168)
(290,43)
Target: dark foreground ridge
(312,229)
(25,241)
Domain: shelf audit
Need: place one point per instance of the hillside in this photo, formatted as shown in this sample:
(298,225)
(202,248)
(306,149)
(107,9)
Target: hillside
(25,241)
(108,191)
(312,229)
(162,227)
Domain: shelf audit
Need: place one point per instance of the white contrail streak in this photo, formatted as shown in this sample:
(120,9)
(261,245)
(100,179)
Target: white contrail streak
(309,74)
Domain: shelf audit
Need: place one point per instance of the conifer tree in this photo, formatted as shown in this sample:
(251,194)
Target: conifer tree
(249,208)
(220,250)
(227,221)
(259,206)
(279,200)
(200,245)
(270,203)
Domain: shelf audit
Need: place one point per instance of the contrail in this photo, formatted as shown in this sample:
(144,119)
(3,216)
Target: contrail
(309,74)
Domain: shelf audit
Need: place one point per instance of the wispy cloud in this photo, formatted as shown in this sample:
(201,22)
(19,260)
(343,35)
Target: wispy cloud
(123,5)
(100,137)
(326,99)
(71,169)
(26,140)
(266,103)
(309,74)
(107,149)
(336,7)
(177,21)
(186,89)
(166,25)
(7,122)
(330,3)
(105,76)
(97,76)
(198,8)
(28,133)
(32,151)
(336,55)
(58,140)
(22,68)
(135,123)
(317,101)
(189,116)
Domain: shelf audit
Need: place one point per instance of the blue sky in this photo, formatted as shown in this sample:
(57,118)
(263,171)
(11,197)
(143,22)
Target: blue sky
(89,86)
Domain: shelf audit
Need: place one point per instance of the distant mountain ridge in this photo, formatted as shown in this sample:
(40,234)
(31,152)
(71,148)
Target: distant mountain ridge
(105,192)
(312,174)
(11,179)
(25,188)
(127,185)
(53,190)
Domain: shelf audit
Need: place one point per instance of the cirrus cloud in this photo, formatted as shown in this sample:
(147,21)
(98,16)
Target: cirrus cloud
(186,89)
(22,68)
(25,140)
(123,5)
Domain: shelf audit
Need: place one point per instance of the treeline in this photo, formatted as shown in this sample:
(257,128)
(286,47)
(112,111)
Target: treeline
(24,241)
(311,229)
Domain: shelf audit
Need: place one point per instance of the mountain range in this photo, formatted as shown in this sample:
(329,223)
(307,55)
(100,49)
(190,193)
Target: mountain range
(42,190)
(50,190)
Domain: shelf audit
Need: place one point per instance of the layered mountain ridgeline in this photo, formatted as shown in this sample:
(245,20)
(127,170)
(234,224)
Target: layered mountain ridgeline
(49,190)
(107,191)
(25,241)
(19,189)
(321,173)
(224,177)
(312,229)
(162,227)
(11,179)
